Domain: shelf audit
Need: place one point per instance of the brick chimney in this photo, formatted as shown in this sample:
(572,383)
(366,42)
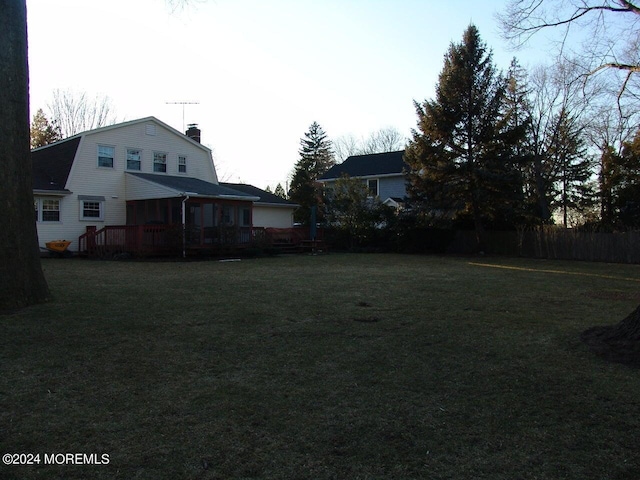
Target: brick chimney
(193,132)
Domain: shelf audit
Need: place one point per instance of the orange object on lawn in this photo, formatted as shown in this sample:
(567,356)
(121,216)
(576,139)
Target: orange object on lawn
(58,246)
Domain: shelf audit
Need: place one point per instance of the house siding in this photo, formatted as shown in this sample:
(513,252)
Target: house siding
(87,178)
(272,217)
(61,230)
(140,189)
(394,187)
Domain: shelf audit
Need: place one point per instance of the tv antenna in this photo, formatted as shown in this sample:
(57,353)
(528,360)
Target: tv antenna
(183,104)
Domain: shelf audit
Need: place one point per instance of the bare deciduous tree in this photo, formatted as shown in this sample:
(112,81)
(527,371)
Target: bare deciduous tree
(345,146)
(387,139)
(601,35)
(76,112)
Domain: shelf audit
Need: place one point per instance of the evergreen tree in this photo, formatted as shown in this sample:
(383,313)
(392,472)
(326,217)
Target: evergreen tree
(625,185)
(609,159)
(316,157)
(461,157)
(279,191)
(520,119)
(43,132)
(573,191)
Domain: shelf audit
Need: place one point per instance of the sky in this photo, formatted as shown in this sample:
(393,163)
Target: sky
(258,73)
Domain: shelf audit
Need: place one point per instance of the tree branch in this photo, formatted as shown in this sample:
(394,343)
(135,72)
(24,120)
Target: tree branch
(514,24)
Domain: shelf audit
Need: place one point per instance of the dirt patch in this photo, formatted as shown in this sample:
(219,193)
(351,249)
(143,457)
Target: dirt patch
(617,343)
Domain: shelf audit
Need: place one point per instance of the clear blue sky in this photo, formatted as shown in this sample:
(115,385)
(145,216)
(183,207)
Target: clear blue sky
(262,71)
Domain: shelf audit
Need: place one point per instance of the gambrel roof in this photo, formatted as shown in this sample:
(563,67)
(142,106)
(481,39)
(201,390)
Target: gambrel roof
(371,165)
(52,164)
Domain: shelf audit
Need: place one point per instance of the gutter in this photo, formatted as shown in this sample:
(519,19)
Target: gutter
(364,177)
(57,193)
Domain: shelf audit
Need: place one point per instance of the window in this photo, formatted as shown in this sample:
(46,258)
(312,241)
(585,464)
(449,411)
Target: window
(134,159)
(159,162)
(106,156)
(245,216)
(50,210)
(228,215)
(47,210)
(182,164)
(372,185)
(91,207)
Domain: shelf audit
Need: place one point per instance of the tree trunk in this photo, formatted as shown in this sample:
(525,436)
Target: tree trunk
(22,282)
(541,191)
(618,343)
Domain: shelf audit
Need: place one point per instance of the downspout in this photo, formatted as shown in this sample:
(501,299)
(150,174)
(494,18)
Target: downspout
(184,225)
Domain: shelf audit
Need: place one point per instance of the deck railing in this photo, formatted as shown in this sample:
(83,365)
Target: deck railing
(161,239)
(168,239)
(135,239)
(294,239)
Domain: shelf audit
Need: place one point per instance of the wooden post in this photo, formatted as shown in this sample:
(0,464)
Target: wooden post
(91,239)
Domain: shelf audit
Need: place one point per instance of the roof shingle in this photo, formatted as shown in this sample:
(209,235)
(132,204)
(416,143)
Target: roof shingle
(265,197)
(388,163)
(193,186)
(52,164)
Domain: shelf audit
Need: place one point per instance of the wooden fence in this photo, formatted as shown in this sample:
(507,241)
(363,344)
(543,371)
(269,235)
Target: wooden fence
(555,243)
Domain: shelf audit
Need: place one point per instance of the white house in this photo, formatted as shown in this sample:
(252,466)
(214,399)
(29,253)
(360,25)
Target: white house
(141,173)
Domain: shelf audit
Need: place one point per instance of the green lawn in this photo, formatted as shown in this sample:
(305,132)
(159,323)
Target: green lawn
(322,367)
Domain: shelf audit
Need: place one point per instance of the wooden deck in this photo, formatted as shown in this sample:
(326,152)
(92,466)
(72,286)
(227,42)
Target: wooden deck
(169,240)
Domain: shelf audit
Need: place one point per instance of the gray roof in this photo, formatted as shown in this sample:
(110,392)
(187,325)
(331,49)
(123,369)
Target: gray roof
(265,197)
(371,165)
(194,186)
(52,164)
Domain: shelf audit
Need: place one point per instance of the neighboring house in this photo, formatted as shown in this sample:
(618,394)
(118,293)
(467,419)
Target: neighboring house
(136,173)
(270,211)
(382,172)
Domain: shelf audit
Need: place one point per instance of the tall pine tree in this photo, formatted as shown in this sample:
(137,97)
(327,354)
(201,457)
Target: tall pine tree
(461,157)
(316,157)
(566,151)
